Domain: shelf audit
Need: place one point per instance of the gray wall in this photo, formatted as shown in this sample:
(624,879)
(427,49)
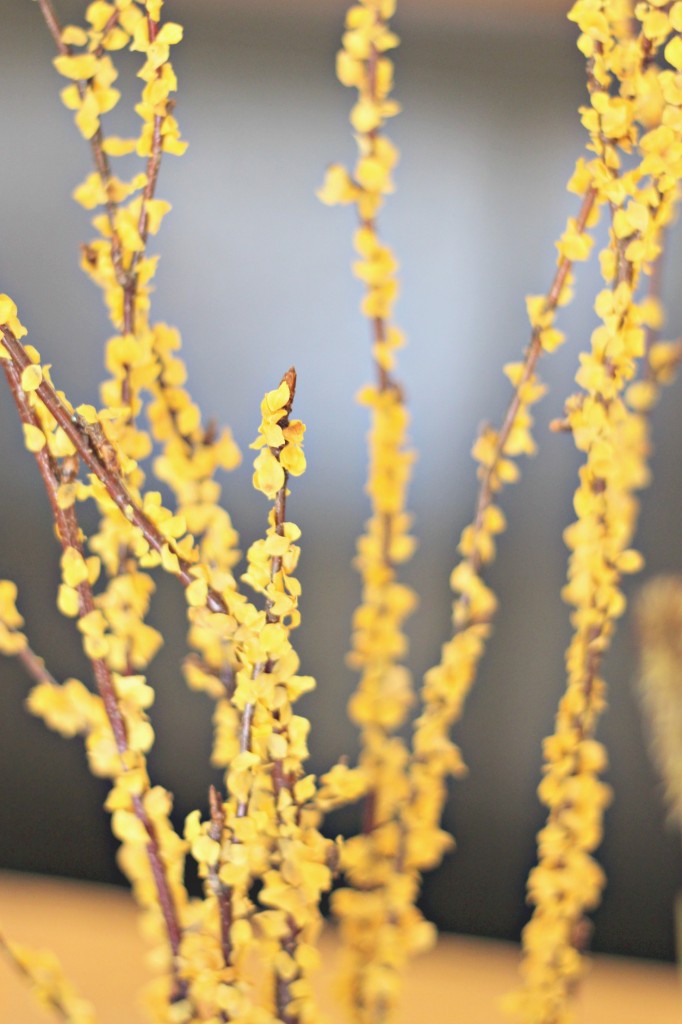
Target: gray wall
(255,273)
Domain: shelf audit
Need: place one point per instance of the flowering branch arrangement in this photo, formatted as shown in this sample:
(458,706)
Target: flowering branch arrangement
(245,952)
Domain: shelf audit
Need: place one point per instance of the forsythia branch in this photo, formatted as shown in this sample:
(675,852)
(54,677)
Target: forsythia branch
(43,971)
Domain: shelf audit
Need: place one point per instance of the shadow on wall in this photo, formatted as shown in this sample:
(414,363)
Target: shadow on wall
(255,273)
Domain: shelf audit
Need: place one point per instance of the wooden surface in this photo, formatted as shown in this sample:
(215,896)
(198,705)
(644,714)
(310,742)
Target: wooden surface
(93,930)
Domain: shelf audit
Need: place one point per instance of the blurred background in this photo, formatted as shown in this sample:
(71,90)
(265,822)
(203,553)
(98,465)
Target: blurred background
(255,272)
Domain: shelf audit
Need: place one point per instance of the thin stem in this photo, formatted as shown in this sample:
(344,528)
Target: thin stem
(152,174)
(90,449)
(385,383)
(127,279)
(283,997)
(52,22)
(280,507)
(49,989)
(222,893)
(69,537)
(245,741)
(35,666)
(100,158)
(485,493)
(280,780)
(532,356)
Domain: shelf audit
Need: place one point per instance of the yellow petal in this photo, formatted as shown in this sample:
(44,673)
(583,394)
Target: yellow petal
(82,66)
(32,377)
(34,438)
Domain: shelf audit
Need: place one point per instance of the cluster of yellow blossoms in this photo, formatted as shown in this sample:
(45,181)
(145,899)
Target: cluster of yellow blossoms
(267,828)
(408,838)
(264,829)
(379,924)
(634,121)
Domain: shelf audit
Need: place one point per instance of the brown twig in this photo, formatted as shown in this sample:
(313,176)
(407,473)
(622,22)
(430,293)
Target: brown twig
(152,174)
(69,536)
(280,506)
(533,353)
(283,996)
(127,279)
(222,893)
(280,779)
(87,448)
(100,158)
(52,22)
(385,383)
(35,666)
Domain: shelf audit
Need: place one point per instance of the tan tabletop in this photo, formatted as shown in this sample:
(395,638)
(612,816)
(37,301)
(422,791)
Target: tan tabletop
(93,930)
